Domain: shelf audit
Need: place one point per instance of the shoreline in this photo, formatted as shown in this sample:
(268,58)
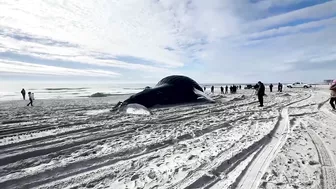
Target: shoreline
(70,98)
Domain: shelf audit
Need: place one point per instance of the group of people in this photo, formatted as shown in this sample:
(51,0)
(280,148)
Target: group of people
(279,87)
(233,89)
(259,86)
(261,93)
(30,96)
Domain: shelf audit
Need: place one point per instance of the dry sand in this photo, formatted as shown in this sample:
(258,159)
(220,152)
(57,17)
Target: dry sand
(289,143)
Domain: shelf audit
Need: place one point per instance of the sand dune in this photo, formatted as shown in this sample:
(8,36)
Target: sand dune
(289,143)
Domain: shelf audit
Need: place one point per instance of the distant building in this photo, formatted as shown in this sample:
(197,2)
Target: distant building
(327,81)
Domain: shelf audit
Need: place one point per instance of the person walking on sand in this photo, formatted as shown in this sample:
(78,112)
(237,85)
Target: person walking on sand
(226,89)
(222,89)
(271,87)
(23,92)
(31,98)
(333,95)
(261,93)
(212,89)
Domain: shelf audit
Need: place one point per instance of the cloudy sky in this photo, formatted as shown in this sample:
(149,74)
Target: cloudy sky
(145,40)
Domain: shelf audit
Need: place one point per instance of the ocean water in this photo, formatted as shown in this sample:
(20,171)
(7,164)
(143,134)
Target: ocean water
(44,90)
(54,90)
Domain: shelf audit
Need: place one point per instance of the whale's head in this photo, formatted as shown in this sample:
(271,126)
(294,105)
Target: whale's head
(146,98)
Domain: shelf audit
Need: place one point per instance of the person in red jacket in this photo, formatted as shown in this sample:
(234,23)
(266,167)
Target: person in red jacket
(333,95)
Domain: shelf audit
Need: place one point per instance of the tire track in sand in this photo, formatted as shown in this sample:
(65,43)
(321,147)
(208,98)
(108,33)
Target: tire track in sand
(251,176)
(224,167)
(97,163)
(88,165)
(327,162)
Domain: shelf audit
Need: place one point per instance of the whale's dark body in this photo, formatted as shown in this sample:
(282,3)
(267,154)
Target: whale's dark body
(170,90)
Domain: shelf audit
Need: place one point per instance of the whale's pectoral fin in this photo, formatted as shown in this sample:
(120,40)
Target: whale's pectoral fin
(201,94)
(137,109)
(116,107)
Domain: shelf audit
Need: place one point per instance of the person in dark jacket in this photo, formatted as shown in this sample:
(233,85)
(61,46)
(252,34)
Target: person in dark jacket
(271,87)
(279,87)
(261,93)
(222,89)
(23,92)
(31,98)
(212,89)
(226,89)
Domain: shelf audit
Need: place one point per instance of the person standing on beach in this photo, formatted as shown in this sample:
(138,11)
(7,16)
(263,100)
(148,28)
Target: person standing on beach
(271,87)
(261,93)
(226,89)
(222,89)
(333,95)
(212,89)
(23,92)
(204,89)
(31,98)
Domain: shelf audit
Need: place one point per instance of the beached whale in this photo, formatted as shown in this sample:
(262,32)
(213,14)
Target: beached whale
(174,89)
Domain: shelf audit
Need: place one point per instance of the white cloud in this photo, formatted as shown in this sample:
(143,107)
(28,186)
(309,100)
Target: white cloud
(293,29)
(125,27)
(67,54)
(330,57)
(103,26)
(313,12)
(170,36)
(276,3)
(28,68)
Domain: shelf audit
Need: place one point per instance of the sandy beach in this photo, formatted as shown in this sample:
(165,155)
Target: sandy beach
(233,143)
